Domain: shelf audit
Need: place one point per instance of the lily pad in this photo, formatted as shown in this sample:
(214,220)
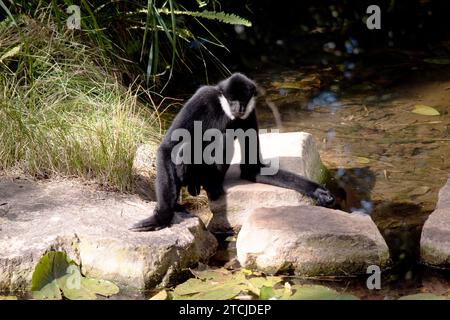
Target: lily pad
(425,110)
(423,296)
(56,276)
(316,292)
(44,282)
(219,275)
(102,287)
(219,284)
(255,284)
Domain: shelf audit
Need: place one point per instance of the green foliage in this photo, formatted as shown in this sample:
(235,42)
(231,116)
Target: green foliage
(424,296)
(221,284)
(441,61)
(315,292)
(147,32)
(211,15)
(56,276)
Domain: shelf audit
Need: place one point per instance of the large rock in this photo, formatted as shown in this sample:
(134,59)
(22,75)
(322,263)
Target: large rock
(92,227)
(435,240)
(296,152)
(310,241)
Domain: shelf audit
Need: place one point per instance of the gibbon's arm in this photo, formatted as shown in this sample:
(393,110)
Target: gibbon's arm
(282,178)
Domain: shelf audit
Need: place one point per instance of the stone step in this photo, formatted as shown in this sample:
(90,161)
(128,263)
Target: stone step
(92,228)
(295,151)
(435,239)
(310,241)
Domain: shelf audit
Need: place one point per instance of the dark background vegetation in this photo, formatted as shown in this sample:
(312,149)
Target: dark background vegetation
(284,33)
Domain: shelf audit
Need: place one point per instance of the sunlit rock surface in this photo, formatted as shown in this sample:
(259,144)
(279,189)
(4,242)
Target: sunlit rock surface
(92,227)
(310,241)
(296,151)
(435,240)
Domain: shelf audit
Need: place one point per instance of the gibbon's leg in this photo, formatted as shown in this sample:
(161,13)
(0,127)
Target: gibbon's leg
(282,178)
(167,187)
(214,183)
(289,180)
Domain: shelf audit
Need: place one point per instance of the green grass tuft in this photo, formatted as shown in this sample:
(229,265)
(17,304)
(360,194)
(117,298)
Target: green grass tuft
(62,112)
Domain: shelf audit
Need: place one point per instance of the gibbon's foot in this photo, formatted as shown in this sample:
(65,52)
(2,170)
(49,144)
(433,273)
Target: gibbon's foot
(323,197)
(149,224)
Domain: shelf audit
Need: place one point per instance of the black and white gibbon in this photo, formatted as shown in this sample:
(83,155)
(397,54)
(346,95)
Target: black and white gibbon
(228,105)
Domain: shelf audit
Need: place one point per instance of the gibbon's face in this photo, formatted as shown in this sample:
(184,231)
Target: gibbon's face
(238,100)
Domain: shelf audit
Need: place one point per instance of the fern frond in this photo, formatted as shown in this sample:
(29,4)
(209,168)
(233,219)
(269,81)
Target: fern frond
(211,15)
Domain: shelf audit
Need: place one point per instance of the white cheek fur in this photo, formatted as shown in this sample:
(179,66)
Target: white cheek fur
(226,106)
(227,109)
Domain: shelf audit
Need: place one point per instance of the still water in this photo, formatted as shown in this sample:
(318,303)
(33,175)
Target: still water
(390,161)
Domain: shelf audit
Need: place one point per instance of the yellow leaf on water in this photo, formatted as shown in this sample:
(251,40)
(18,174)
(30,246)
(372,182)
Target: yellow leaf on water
(425,110)
(362,160)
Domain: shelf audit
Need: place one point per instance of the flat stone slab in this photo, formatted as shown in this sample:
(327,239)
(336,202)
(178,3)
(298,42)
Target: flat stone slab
(435,240)
(295,151)
(310,241)
(92,228)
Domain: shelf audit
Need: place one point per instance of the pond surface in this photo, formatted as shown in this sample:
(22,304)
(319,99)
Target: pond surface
(390,161)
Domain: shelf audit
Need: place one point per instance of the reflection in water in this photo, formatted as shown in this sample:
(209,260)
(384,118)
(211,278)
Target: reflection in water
(325,99)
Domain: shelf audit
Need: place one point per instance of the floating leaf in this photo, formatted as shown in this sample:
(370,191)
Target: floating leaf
(218,275)
(362,160)
(102,287)
(438,61)
(78,292)
(56,276)
(256,283)
(162,295)
(221,292)
(423,296)
(206,291)
(49,269)
(425,110)
(267,293)
(211,284)
(191,286)
(316,292)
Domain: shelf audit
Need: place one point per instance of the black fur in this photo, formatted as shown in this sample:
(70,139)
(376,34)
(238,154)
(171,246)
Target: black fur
(205,106)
